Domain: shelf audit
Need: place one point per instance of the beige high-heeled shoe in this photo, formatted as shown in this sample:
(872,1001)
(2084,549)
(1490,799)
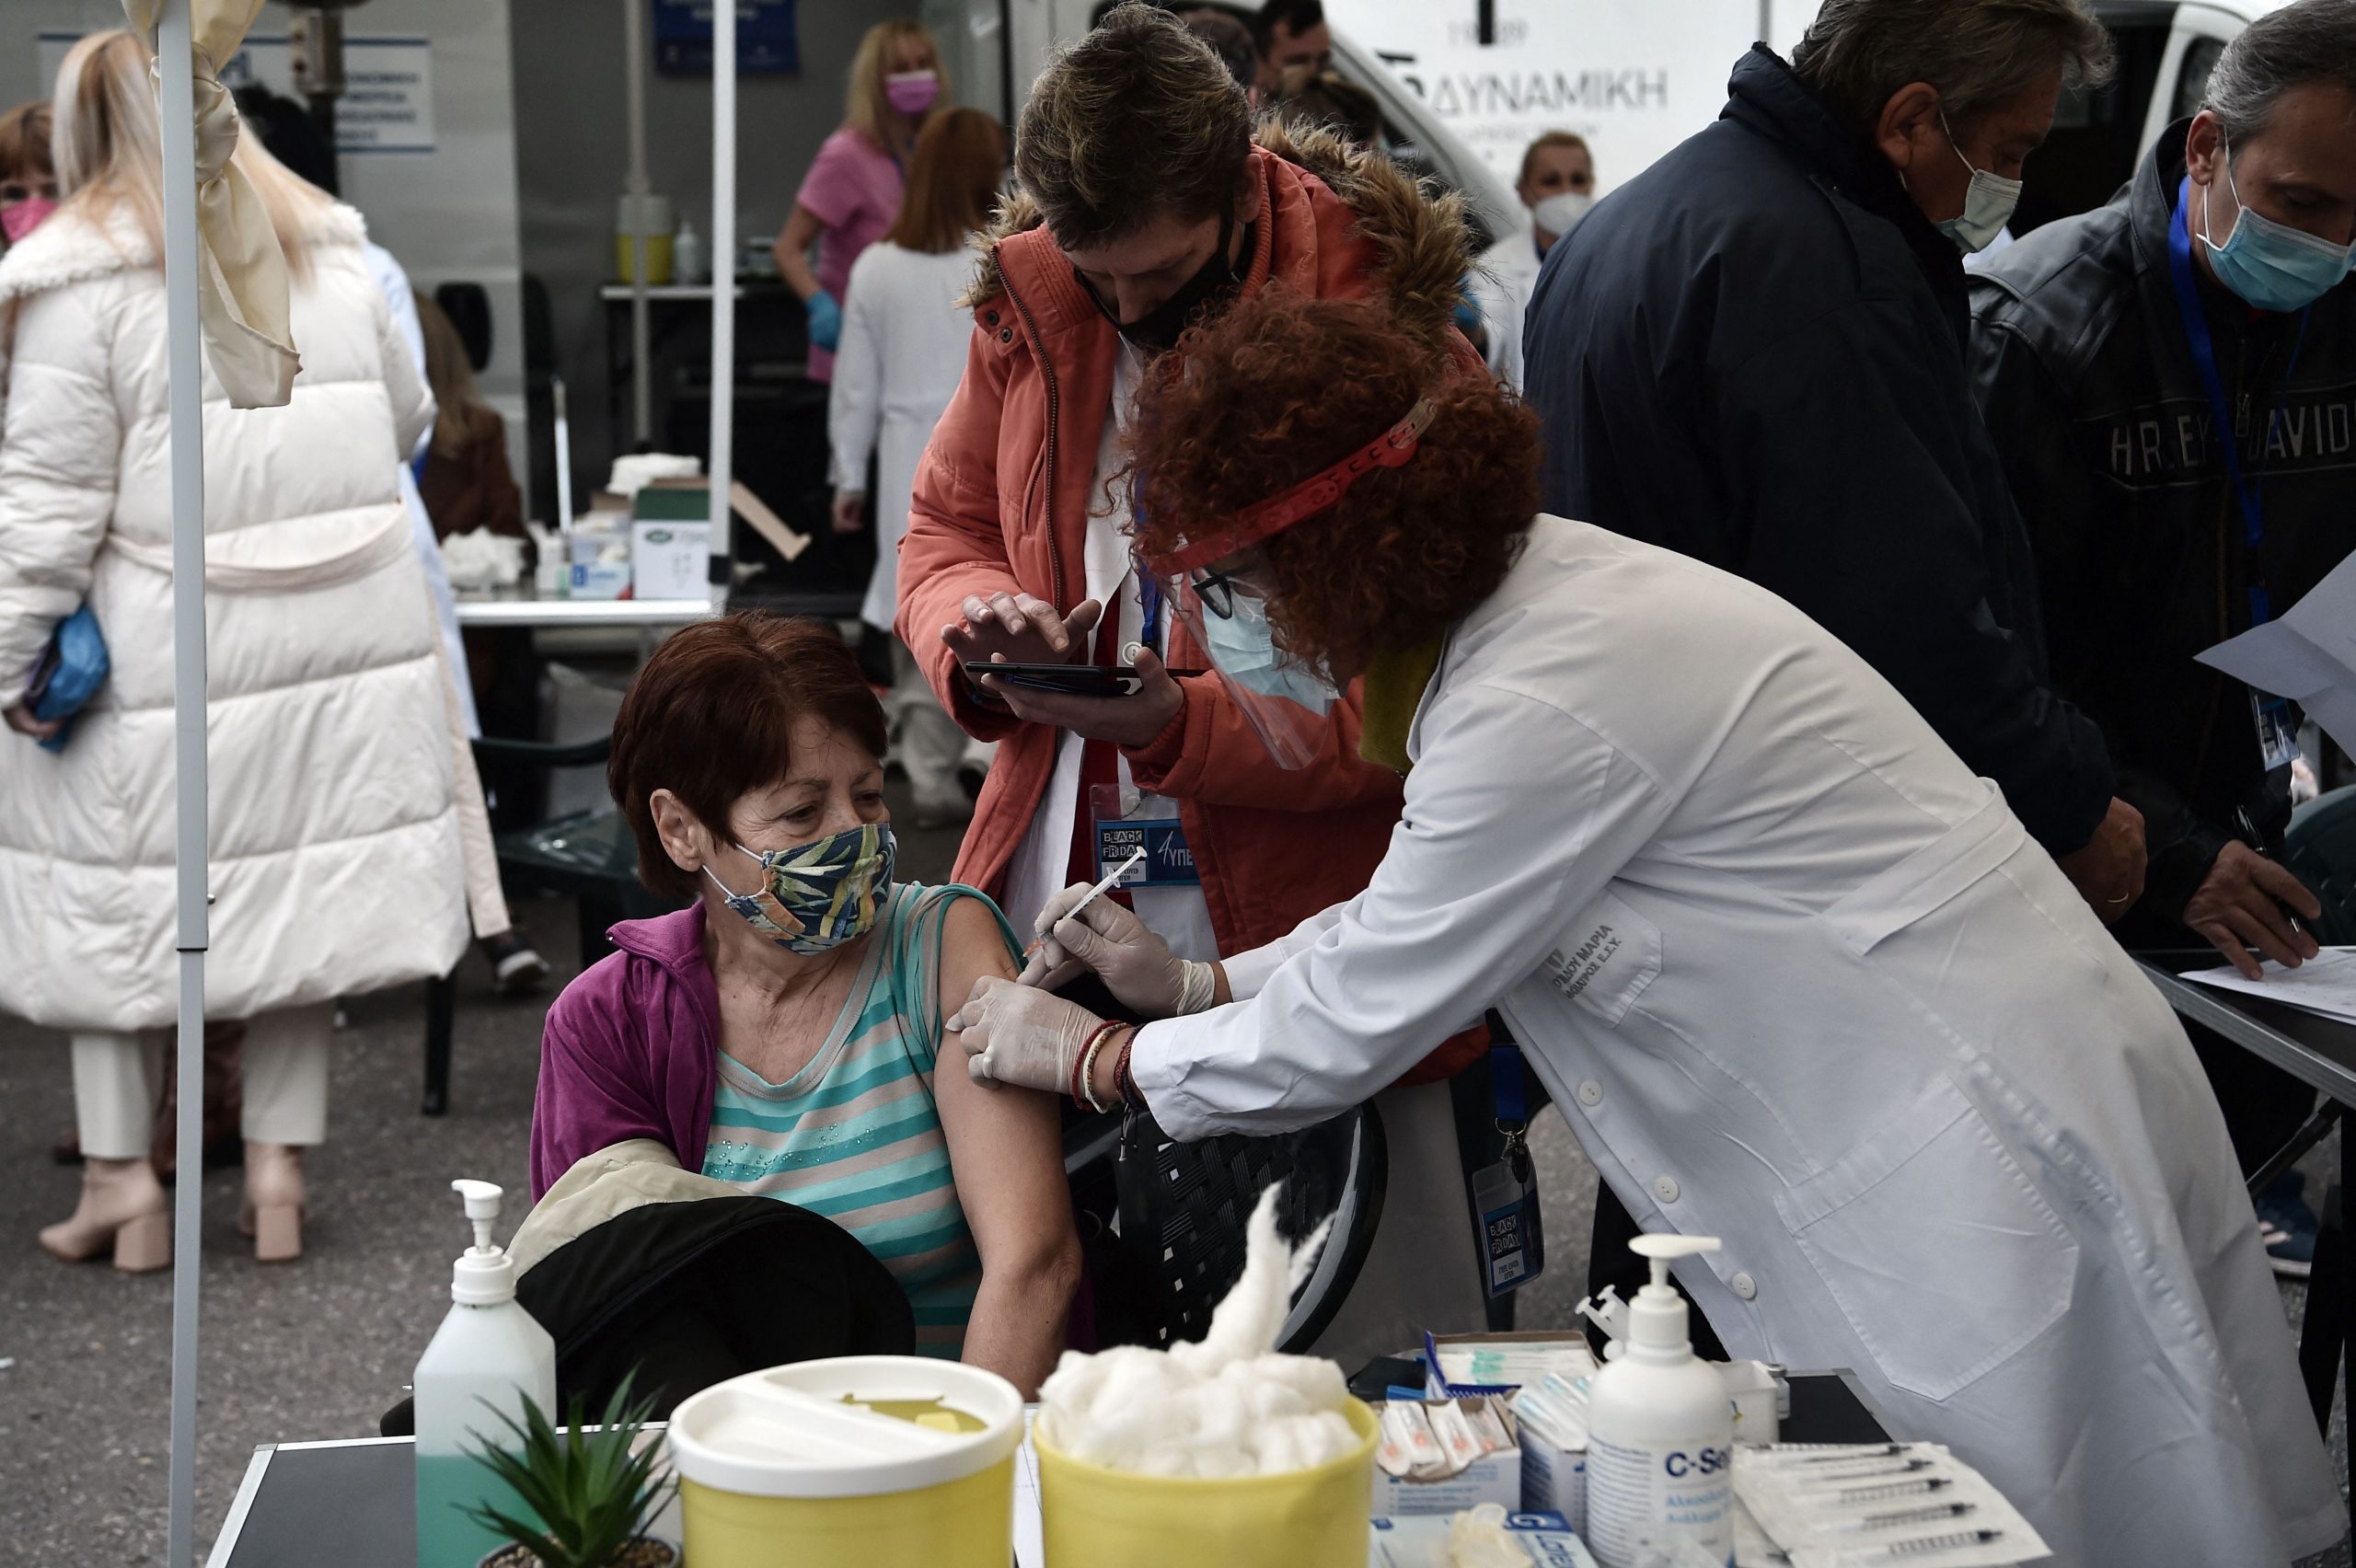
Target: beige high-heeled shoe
(122,1207)
(273,1207)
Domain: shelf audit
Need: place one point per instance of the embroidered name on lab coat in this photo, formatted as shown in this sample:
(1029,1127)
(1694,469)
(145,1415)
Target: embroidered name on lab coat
(1574,974)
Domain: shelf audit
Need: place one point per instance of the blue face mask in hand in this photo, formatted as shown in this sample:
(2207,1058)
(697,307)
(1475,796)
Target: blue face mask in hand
(1244,646)
(2273,266)
(820,895)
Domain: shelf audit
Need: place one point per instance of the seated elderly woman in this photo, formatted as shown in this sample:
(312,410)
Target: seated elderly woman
(781,1033)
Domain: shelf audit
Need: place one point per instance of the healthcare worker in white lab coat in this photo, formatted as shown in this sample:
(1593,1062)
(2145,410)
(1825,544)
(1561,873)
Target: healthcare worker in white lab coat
(1798,979)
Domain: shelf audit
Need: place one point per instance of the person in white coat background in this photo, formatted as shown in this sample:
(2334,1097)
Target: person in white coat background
(335,859)
(1796,978)
(1557,185)
(902,354)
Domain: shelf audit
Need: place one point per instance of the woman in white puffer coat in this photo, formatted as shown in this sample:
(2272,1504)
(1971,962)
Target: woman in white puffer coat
(335,857)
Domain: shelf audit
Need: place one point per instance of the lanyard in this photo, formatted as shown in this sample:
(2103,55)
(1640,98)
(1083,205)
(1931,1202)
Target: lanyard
(1505,1084)
(1150,610)
(2204,360)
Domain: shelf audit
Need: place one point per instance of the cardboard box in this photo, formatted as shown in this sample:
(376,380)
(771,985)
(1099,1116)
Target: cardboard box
(1554,1478)
(1421,1541)
(1459,1365)
(671,560)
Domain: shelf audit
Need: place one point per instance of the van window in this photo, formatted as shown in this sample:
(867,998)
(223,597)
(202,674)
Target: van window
(2092,150)
(2199,59)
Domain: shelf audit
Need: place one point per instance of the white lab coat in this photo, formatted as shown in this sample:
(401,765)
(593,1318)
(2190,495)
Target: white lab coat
(902,354)
(1799,981)
(1502,279)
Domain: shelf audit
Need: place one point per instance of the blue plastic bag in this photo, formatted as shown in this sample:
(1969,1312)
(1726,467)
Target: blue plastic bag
(76,666)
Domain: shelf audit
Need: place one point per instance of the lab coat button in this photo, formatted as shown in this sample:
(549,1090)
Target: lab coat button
(1744,1285)
(1590,1093)
(1664,1188)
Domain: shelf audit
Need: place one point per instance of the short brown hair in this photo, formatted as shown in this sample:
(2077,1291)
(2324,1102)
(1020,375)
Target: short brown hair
(1136,120)
(24,142)
(1278,386)
(1978,53)
(1546,139)
(711,718)
(953,177)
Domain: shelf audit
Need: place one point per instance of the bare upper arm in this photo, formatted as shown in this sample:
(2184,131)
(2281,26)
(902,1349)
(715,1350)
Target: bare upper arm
(1005,1143)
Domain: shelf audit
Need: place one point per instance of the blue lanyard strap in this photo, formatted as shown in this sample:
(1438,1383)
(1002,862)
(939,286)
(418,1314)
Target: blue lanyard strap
(1150,610)
(2247,493)
(1505,1083)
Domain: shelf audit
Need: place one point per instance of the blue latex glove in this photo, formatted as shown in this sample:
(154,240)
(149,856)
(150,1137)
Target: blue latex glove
(825,320)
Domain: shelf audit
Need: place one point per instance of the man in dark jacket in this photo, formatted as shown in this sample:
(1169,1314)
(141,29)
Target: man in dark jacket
(1754,353)
(2155,539)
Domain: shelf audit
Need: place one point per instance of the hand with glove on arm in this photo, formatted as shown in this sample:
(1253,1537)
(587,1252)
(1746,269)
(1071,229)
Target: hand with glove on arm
(1016,1031)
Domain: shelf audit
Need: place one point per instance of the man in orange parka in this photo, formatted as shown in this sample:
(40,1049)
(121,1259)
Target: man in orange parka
(1145,200)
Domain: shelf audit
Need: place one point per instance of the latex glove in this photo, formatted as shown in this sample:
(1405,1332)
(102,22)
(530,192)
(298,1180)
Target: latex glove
(1013,1034)
(1135,965)
(825,320)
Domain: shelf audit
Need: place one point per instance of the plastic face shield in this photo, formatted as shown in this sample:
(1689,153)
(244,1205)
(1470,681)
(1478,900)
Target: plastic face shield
(1288,704)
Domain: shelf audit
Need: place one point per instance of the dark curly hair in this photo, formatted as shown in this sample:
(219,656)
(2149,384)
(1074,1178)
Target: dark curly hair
(1279,386)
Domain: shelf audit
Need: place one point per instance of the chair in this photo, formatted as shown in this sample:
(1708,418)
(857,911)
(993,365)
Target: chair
(588,857)
(1184,1208)
(2320,848)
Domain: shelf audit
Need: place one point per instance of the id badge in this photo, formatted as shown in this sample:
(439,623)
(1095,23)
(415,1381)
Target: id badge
(1150,824)
(2277,734)
(1508,1231)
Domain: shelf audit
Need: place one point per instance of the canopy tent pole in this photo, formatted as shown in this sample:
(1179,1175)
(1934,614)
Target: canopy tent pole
(722,469)
(637,185)
(176,103)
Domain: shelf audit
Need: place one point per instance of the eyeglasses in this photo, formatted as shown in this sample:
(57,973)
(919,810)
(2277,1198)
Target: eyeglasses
(1215,588)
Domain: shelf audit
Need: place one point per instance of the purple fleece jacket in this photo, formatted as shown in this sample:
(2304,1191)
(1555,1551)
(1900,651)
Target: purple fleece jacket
(631,1050)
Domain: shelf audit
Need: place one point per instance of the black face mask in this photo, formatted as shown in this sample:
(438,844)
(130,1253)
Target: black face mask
(1212,283)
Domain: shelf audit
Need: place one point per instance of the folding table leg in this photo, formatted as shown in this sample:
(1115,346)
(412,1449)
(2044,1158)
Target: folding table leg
(440,1007)
(2324,1330)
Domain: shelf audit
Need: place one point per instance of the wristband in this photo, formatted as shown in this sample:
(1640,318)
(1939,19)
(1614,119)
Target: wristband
(1124,1083)
(1084,1073)
(1197,984)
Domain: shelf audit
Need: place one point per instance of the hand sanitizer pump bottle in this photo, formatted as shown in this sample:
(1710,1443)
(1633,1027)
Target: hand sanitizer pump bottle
(487,1358)
(1661,1432)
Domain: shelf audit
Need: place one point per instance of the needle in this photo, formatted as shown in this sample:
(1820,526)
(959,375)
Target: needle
(1090,896)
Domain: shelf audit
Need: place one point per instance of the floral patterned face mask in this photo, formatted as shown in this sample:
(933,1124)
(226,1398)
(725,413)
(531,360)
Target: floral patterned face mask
(820,895)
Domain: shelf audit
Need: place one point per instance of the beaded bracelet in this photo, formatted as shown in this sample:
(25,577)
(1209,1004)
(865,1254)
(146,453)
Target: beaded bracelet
(1124,1084)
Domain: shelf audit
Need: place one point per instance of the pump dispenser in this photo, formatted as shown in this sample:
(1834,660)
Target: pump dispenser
(1660,1432)
(489,1356)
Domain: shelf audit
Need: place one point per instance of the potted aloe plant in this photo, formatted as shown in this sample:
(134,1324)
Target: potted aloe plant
(587,1497)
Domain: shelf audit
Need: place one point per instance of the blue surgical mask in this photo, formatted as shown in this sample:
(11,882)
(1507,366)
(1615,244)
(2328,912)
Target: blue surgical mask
(1244,646)
(820,895)
(1988,204)
(2273,266)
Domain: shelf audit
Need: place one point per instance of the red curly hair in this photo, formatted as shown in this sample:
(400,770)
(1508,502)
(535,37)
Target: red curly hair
(1279,386)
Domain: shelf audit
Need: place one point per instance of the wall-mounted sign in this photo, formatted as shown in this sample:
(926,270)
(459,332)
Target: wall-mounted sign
(388,102)
(766,40)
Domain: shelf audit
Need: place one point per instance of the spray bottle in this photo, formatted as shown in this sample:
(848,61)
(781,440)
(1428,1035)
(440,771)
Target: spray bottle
(487,1358)
(1661,1432)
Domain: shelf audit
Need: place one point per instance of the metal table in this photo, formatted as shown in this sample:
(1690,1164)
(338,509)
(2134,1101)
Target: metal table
(2319,1051)
(353,1504)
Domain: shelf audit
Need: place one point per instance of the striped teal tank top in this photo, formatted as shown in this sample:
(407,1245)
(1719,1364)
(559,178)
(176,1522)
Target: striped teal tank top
(855,1134)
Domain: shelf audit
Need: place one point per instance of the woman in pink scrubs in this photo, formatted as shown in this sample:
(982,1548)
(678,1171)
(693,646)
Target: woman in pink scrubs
(853,191)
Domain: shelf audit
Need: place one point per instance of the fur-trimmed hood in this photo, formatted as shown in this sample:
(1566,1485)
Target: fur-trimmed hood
(73,248)
(1423,248)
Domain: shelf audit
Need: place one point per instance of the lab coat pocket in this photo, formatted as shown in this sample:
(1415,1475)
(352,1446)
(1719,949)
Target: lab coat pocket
(1944,1257)
(1606,958)
(1929,878)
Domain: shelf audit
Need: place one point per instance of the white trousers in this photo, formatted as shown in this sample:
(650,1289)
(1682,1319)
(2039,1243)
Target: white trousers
(285,1074)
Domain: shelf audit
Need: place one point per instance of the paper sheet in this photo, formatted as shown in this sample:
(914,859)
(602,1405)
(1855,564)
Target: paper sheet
(2326,984)
(2307,655)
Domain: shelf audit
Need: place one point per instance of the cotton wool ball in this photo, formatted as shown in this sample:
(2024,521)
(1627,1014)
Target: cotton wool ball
(1318,1382)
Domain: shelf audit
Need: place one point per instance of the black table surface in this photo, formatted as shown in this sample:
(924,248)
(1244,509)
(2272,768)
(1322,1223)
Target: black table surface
(2328,1039)
(353,1504)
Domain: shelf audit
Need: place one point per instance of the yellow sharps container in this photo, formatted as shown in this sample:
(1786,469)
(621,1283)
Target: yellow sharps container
(1095,1517)
(860,1461)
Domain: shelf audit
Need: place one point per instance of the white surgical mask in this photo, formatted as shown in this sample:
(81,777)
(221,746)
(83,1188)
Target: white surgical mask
(1988,203)
(1560,214)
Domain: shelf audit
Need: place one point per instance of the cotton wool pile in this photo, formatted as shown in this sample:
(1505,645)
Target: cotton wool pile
(1227,1406)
